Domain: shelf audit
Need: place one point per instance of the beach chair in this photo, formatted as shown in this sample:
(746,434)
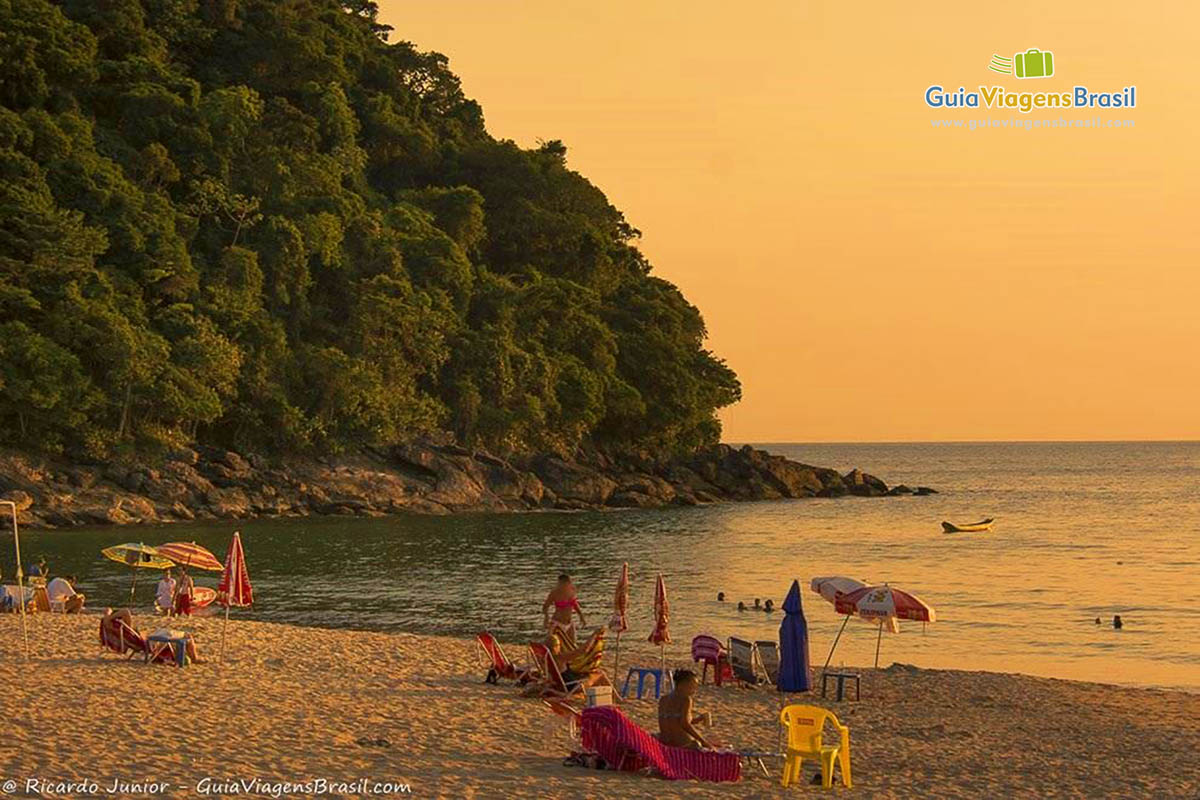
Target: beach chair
(741,661)
(128,642)
(708,650)
(589,659)
(768,659)
(804,726)
(498,664)
(42,601)
(624,745)
(552,678)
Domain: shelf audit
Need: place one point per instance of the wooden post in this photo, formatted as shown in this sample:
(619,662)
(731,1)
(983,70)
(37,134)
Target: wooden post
(20,575)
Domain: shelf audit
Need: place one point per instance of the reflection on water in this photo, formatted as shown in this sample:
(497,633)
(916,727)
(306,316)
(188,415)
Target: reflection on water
(1083,531)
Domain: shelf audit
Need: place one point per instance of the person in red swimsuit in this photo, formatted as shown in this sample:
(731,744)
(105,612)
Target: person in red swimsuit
(562,598)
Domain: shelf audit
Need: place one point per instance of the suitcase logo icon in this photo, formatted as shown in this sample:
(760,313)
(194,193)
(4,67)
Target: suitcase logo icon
(1033,63)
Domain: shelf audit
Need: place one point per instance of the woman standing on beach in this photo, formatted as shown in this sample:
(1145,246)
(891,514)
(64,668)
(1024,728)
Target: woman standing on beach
(562,598)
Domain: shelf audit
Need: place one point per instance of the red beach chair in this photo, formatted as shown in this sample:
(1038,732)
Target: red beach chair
(709,650)
(128,642)
(498,664)
(625,746)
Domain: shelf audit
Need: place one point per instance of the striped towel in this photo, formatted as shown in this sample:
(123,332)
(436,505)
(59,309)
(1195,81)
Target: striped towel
(619,740)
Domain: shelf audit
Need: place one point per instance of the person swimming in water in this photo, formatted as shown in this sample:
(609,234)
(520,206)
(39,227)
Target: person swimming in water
(757,604)
(769,607)
(562,598)
(1117,622)
(720,597)
(741,606)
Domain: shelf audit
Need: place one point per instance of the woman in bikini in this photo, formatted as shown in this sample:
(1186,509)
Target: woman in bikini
(562,598)
(676,719)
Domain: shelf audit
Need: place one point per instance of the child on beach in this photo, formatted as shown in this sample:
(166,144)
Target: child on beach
(676,720)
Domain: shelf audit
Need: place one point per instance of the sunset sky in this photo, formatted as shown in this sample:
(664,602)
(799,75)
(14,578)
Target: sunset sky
(869,277)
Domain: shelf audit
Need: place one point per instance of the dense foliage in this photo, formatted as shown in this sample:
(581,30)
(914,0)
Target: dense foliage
(257,223)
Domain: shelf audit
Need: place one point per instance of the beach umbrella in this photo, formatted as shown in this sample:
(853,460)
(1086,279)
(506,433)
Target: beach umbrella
(190,555)
(234,588)
(833,587)
(884,604)
(136,555)
(20,576)
(795,671)
(620,607)
(661,635)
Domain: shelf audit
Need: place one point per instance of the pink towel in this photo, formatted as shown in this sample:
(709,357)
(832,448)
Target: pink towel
(623,744)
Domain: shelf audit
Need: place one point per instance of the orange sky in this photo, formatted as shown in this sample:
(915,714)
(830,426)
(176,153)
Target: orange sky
(869,277)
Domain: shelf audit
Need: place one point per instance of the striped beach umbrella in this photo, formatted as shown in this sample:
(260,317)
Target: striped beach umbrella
(234,588)
(661,635)
(662,613)
(620,607)
(190,555)
(884,604)
(138,556)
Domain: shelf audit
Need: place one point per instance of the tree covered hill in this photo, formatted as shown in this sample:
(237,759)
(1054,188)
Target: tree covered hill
(257,223)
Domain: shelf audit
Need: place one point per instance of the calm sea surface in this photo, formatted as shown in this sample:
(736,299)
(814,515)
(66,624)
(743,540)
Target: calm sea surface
(1082,531)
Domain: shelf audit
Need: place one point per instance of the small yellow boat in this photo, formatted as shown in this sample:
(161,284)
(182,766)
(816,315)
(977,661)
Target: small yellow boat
(971,527)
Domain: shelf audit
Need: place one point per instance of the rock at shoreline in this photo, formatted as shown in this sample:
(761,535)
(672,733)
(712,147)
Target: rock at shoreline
(202,482)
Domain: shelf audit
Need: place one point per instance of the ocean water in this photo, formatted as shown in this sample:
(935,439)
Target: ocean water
(1083,530)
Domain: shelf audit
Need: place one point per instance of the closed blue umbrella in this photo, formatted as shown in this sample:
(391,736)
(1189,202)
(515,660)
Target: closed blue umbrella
(795,672)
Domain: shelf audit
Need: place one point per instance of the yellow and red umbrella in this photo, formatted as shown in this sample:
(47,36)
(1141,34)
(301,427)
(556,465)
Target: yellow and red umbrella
(190,555)
(138,556)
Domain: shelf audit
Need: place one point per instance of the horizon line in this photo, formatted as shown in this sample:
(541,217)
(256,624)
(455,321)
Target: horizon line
(963,441)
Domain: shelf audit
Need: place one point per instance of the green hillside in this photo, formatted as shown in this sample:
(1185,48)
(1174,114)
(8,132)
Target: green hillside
(260,224)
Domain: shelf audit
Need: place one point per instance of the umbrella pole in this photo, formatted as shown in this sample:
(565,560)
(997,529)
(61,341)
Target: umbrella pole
(20,577)
(829,657)
(878,641)
(225,627)
(662,662)
(617,658)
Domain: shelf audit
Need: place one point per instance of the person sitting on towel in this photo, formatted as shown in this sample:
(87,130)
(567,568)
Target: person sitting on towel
(676,720)
(62,590)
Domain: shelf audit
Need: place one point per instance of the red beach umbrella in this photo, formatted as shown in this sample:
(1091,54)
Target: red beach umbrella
(189,555)
(620,607)
(884,604)
(234,589)
(662,613)
(661,636)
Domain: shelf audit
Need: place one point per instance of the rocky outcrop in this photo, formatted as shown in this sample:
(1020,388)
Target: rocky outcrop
(202,482)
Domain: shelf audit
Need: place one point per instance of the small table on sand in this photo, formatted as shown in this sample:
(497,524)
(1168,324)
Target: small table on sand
(176,640)
(841,677)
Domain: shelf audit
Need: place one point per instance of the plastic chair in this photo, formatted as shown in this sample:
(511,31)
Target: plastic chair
(804,724)
(709,650)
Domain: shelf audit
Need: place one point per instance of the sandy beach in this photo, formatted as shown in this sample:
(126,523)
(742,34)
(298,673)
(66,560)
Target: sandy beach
(292,704)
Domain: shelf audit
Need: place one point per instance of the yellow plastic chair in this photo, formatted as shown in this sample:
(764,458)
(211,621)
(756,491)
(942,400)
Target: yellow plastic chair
(804,725)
